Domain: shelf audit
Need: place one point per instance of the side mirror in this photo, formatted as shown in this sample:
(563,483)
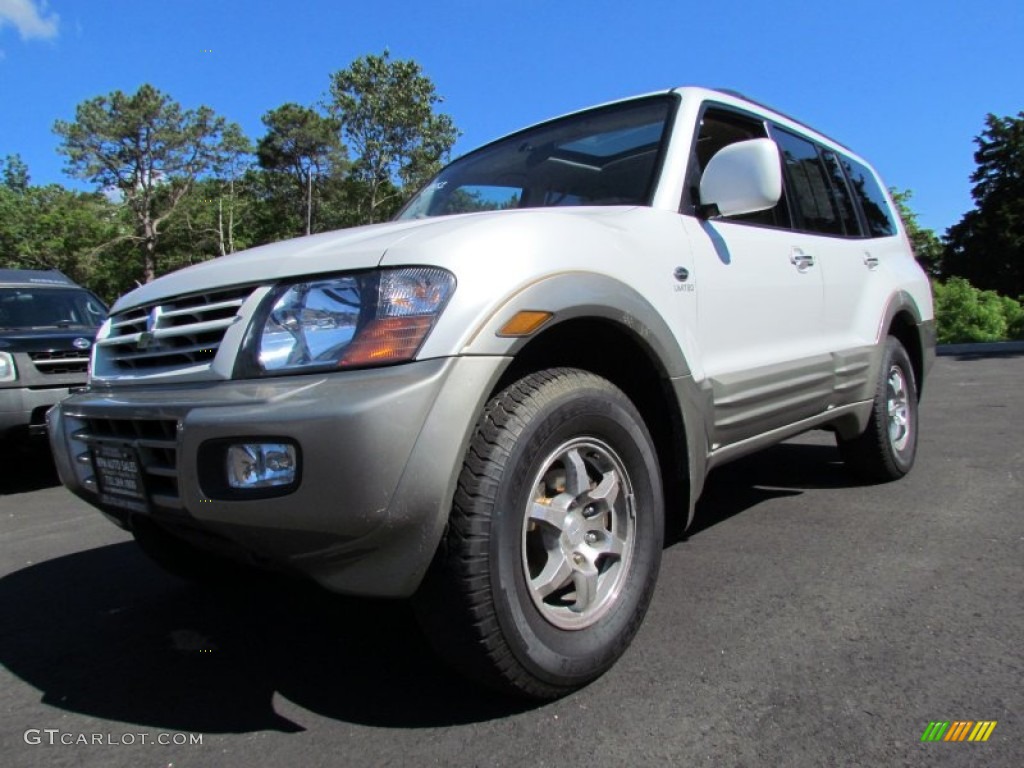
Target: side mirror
(745,177)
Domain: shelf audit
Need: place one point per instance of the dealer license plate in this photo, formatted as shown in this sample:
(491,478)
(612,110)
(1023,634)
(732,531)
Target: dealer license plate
(119,477)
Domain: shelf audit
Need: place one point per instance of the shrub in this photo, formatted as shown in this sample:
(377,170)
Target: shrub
(966,314)
(1014,312)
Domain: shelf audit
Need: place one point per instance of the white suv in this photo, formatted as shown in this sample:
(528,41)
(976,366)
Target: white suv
(497,402)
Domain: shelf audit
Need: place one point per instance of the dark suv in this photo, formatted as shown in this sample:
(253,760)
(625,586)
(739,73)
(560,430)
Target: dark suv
(47,325)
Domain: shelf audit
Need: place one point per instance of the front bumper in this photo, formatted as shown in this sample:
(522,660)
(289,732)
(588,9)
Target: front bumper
(23,407)
(380,449)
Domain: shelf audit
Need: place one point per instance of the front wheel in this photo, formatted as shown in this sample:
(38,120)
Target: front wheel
(554,540)
(886,449)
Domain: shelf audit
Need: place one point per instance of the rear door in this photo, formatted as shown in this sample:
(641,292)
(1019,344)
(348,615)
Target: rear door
(859,279)
(846,215)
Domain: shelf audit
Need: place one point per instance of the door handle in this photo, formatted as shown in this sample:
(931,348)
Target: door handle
(802,261)
(871,262)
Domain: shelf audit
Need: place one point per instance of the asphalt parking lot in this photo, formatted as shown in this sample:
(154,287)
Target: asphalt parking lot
(804,621)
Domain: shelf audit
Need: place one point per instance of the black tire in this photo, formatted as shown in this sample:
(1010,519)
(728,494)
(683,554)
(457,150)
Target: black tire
(886,449)
(545,487)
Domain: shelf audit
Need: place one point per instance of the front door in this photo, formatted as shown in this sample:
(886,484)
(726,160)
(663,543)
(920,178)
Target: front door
(760,306)
(760,303)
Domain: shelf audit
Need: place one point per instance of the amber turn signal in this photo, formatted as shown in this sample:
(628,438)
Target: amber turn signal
(524,322)
(387,340)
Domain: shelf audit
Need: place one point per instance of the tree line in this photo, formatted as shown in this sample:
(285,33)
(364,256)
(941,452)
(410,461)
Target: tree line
(978,265)
(174,186)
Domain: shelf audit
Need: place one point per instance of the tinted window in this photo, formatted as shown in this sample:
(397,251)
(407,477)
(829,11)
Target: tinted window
(808,183)
(39,307)
(607,156)
(877,214)
(718,129)
(841,194)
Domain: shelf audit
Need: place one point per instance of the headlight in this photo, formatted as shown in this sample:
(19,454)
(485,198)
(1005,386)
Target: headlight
(7,370)
(347,321)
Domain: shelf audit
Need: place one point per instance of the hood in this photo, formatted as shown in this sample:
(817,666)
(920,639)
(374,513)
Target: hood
(339,251)
(45,339)
(343,250)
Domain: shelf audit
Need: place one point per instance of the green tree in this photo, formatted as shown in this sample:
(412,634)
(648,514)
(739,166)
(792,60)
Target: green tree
(149,150)
(274,212)
(230,170)
(52,227)
(987,245)
(386,112)
(14,173)
(927,245)
(306,147)
(211,219)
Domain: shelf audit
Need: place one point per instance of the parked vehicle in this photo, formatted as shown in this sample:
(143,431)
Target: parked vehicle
(47,324)
(496,403)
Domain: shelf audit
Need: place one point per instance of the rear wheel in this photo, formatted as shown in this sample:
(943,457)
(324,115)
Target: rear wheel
(886,449)
(554,540)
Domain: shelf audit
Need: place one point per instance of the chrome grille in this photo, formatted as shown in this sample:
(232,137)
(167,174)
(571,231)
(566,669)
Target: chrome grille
(154,441)
(62,362)
(177,333)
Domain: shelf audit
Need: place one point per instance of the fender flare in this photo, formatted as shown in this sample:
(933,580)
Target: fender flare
(572,295)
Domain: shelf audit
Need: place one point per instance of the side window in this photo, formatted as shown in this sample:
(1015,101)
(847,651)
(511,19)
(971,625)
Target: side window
(841,194)
(814,207)
(90,308)
(877,214)
(719,128)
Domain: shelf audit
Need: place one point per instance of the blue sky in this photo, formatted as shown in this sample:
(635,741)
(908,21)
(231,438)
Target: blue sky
(906,83)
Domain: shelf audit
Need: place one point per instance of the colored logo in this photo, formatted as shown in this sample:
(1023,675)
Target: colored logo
(958,730)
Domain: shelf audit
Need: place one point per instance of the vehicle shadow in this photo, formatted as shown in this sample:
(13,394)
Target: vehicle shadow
(27,466)
(107,634)
(787,469)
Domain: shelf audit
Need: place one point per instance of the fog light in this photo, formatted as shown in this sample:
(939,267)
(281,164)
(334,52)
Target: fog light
(261,465)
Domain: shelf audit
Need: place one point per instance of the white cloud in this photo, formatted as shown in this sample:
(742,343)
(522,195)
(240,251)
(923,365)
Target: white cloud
(32,20)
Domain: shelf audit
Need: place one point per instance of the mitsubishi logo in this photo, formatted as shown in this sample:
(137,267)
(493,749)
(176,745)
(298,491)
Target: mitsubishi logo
(153,319)
(148,338)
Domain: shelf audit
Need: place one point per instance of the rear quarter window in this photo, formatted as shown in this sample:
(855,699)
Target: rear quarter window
(877,214)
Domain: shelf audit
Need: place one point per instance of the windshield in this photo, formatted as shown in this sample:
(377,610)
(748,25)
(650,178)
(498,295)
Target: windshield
(33,307)
(607,156)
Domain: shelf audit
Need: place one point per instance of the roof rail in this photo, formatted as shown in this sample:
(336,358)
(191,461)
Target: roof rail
(739,95)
